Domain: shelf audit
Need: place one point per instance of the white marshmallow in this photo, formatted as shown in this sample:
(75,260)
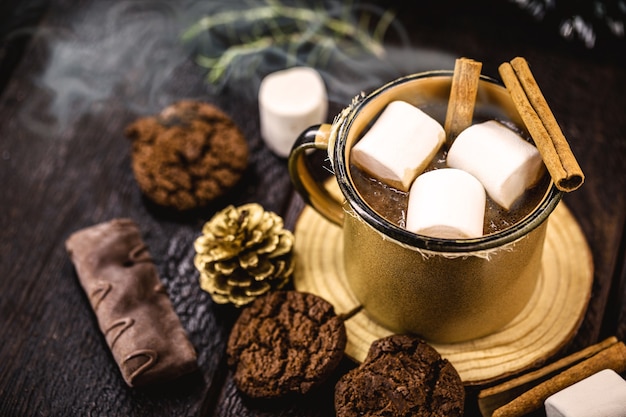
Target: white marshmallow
(603,394)
(502,160)
(290,101)
(446,203)
(399,145)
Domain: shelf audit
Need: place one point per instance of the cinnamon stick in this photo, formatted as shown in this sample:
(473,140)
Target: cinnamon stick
(613,357)
(462,97)
(495,397)
(541,124)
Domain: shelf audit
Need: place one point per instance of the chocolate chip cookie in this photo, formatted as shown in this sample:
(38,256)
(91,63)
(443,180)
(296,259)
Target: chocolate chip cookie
(401,376)
(188,155)
(285,343)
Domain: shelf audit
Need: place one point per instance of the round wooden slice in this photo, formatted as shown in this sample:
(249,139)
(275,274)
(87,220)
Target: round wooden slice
(548,322)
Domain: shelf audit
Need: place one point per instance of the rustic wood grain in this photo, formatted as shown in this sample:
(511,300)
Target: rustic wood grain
(54,361)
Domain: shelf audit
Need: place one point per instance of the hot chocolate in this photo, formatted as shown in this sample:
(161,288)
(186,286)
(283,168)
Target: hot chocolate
(391,203)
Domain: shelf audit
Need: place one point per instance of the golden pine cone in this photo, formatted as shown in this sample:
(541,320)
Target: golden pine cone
(243,252)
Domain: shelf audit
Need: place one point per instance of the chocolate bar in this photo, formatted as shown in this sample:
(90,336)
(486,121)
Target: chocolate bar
(132,306)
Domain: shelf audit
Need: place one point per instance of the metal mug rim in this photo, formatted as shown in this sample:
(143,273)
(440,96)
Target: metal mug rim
(494,240)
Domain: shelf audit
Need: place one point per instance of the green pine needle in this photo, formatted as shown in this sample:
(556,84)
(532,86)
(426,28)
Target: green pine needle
(295,30)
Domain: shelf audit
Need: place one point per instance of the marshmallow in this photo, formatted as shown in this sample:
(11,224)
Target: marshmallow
(502,160)
(446,203)
(290,101)
(399,145)
(603,394)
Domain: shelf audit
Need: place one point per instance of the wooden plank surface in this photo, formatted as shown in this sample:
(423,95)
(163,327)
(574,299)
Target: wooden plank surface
(61,175)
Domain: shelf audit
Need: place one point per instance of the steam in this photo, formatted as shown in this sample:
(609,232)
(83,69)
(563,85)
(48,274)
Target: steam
(129,51)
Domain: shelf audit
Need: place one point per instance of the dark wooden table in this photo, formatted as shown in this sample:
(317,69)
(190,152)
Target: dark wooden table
(71,83)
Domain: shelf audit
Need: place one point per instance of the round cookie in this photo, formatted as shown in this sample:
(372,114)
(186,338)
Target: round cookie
(285,342)
(401,376)
(188,155)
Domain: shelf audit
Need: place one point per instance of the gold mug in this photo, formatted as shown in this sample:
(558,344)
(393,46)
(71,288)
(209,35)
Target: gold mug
(445,290)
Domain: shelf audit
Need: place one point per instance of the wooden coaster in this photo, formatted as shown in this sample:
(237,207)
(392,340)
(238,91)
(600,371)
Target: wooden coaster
(547,323)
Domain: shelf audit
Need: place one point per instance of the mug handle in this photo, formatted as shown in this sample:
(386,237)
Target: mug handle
(313,193)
